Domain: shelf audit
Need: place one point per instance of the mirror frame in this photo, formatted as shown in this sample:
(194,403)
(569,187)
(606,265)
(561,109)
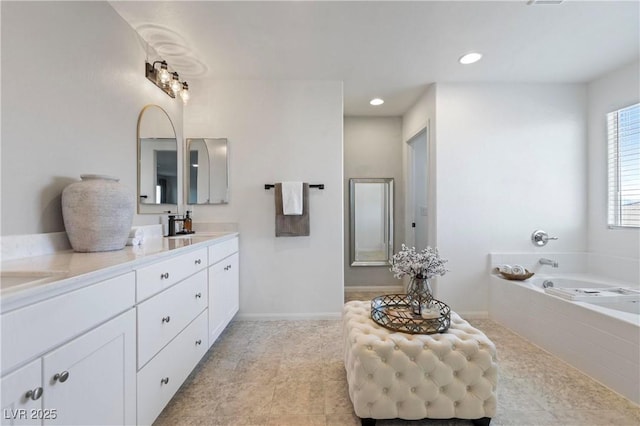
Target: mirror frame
(388,207)
(155,208)
(188,171)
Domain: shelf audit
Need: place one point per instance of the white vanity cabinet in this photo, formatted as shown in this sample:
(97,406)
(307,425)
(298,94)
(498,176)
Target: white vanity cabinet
(224,286)
(114,347)
(172,328)
(83,359)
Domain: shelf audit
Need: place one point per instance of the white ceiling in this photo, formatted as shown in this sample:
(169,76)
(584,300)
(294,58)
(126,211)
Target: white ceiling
(389,49)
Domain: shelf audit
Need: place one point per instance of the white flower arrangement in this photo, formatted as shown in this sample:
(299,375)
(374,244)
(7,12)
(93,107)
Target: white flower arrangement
(423,264)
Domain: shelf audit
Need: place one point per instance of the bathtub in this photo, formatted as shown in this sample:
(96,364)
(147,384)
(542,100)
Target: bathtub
(600,337)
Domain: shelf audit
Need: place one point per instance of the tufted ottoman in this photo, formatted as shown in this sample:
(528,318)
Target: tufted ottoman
(417,376)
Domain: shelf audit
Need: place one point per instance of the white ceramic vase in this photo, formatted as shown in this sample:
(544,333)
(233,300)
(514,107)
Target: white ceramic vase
(98,213)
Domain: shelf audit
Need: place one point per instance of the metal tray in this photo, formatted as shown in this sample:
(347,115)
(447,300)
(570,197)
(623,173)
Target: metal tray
(393,311)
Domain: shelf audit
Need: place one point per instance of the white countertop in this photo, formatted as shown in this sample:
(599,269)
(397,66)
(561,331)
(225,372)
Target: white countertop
(61,272)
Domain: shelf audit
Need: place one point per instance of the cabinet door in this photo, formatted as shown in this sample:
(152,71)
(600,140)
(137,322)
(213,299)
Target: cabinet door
(223,295)
(233,286)
(22,396)
(217,302)
(92,379)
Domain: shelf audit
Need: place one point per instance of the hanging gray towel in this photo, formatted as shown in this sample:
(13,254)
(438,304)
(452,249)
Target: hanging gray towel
(292,225)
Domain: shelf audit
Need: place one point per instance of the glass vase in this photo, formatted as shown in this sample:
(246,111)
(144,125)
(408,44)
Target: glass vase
(419,294)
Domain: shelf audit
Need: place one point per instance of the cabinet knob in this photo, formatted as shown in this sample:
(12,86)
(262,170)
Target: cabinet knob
(229,266)
(164,276)
(198,342)
(198,295)
(166,319)
(61,377)
(198,261)
(164,381)
(34,394)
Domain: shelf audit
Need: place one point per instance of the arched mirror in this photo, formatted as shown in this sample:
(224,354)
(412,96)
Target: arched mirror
(157,162)
(208,171)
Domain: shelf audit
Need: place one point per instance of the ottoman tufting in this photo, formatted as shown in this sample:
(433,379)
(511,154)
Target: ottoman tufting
(418,376)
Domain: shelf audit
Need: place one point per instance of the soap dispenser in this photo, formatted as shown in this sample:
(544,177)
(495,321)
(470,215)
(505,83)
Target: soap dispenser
(188,223)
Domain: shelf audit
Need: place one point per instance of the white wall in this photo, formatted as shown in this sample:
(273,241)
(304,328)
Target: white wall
(511,158)
(372,150)
(73,86)
(278,131)
(612,91)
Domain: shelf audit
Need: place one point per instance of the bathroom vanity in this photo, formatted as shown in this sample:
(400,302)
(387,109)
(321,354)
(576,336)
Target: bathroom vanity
(108,338)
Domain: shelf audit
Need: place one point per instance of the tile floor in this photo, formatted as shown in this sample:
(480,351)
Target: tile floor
(291,373)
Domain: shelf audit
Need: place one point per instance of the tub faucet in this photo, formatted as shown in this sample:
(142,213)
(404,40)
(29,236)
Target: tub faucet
(545,261)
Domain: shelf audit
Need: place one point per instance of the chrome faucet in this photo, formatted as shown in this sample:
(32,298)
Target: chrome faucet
(545,261)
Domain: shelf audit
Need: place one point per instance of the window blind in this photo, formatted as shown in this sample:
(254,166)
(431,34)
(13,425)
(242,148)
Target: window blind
(623,130)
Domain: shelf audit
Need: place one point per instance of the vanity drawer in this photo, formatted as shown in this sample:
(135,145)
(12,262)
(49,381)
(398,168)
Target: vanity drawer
(34,329)
(162,317)
(219,251)
(159,380)
(154,278)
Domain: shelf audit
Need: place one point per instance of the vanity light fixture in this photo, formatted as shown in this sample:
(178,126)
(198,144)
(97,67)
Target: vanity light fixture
(470,58)
(376,101)
(169,82)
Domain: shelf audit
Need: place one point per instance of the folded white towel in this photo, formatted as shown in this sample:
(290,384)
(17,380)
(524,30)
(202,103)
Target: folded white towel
(135,241)
(518,270)
(292,198)
(505,269)
(136,232)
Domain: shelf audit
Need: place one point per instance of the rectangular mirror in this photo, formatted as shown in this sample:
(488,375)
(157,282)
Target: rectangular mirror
(208,171)
(371,221)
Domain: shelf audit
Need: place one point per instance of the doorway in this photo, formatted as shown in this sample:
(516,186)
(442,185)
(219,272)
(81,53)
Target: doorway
(418,202)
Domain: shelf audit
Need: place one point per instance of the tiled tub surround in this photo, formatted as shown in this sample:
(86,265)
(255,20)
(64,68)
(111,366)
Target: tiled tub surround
(126,319)
(602,342)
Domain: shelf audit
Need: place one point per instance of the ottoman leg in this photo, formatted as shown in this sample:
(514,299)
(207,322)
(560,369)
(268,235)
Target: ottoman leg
(484,421)
(368,422)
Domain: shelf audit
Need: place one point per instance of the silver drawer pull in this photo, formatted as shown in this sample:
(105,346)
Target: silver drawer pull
(34,394)
(198,261)
(198,295)
(198,342)
(61,377)
(166,319)
(164,381)
(164,276)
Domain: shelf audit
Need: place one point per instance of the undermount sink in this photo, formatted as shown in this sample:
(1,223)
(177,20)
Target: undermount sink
(16,278)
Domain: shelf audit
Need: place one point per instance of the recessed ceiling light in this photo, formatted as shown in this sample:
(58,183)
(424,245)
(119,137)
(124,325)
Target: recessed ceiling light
(376,101)
(470,58)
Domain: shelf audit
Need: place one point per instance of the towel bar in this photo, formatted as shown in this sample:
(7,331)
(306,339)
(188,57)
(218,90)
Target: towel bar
(317,185)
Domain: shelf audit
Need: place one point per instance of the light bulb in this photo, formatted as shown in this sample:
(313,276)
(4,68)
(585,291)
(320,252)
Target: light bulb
(185,92)
(163,74)
(175,85)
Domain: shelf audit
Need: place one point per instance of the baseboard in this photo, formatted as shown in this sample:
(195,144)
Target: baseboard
(289,317)
(369,288)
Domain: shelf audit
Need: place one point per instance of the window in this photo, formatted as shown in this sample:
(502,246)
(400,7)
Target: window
(623,130)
